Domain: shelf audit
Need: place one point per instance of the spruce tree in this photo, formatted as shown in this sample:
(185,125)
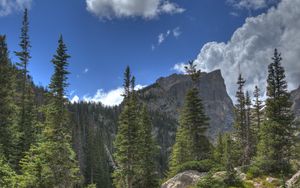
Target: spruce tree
(249,151)
(242,122)
(191,143)
(51,162)
(27,108)
(219,149)
(276,135)
(258,106)
(228,160)
(257,117)
(126,142)
(8,128)
(147,176)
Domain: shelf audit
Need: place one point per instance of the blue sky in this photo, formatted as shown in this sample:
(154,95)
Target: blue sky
(102,40)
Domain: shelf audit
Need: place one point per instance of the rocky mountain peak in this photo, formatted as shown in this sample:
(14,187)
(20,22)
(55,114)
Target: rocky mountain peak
(167,95)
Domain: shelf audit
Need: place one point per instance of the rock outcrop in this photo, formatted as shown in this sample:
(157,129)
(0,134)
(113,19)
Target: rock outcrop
(294,182)
(184,179)
(295,97)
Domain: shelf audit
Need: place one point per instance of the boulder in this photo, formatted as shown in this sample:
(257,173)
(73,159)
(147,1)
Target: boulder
(294,182)
(184,179)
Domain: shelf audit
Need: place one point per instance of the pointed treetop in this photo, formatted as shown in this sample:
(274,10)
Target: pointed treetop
(127,82)
(192,71)
(277,55)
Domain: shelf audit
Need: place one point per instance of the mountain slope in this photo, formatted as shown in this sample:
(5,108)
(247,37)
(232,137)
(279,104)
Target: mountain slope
(167,96)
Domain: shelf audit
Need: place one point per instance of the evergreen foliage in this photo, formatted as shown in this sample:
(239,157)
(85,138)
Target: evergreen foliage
(191,143)
(257,109)
(51,162)
(126,142)
(8,130)
(257,117)
(92,128)
(276,134)
(219,149)
(243,129)
(8,177)
(147,176)
(134,145)
(27,119)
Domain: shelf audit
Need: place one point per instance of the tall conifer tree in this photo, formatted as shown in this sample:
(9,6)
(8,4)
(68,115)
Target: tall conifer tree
(51,162)
(276,135)
(191,143)
(257,117)
(126,142)
(27,108)
(147,176)
(242,122)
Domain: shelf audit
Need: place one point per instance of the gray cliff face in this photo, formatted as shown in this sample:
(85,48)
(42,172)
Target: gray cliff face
(295,97)
(167,95)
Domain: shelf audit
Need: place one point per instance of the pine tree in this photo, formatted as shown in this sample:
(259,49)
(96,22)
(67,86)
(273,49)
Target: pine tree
(258,106)
(191,143)
(228,160)
(8,128)
(276,135)
(51,162)
(219,149)
(248,130)
(241,122)
(126,142)
(147,176)
(27,108)
(257,117)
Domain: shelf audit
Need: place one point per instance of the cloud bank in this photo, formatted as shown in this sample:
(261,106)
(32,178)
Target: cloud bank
(251,48)
(148,9)
(9,6)
(110,98)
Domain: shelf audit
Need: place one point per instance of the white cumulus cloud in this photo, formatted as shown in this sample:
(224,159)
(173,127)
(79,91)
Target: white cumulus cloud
(9,6)
(251,4)
(148,9)
(252,45)
(110,98)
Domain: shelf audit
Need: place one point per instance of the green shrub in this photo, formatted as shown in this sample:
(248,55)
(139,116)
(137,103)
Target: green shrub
(253,172)
(210,182)
(200,166)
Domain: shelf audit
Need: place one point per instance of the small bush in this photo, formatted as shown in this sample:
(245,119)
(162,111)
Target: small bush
(210,182)
(253,172)
(200,166)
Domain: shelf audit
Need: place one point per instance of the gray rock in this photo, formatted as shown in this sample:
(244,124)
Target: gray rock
(295,97)
(294,182)
(184,179)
